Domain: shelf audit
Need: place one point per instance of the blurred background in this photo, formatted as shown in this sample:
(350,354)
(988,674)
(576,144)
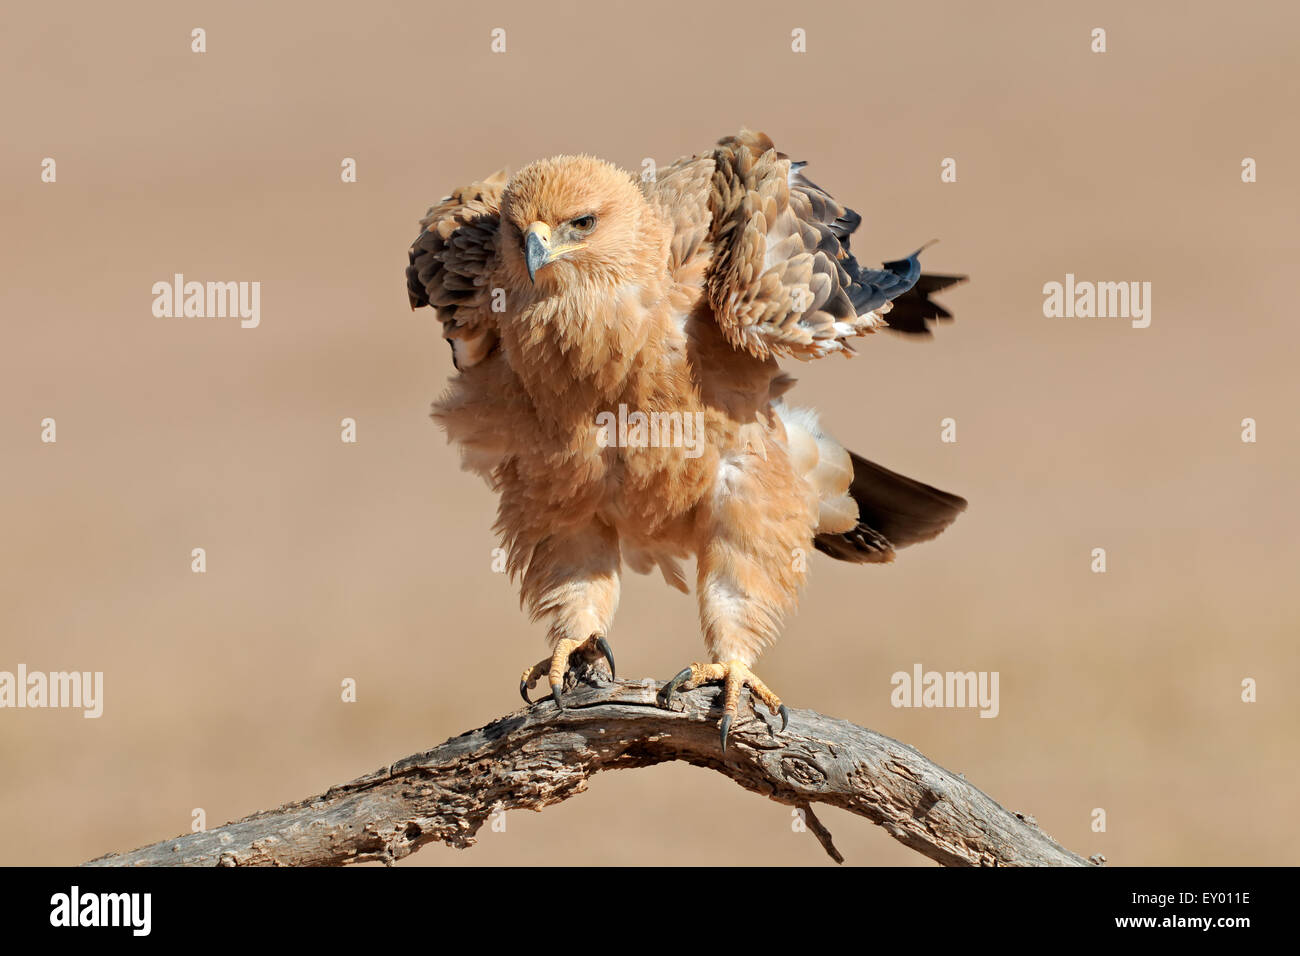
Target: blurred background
(372,561)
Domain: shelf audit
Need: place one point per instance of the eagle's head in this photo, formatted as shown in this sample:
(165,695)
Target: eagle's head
(575,224)
(584,259)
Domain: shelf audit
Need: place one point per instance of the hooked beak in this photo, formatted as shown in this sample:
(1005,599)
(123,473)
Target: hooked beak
(538,250)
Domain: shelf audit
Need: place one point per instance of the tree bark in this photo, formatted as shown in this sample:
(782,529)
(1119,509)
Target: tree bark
(533,758)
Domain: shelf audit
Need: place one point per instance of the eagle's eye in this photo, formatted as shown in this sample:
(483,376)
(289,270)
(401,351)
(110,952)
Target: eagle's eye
(584,223)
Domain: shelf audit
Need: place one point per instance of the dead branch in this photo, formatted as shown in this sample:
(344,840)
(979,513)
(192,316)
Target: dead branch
(539,756)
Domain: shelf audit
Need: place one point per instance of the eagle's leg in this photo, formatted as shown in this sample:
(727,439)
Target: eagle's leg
(555,666)
(754,534)
(734,675)
(572,579)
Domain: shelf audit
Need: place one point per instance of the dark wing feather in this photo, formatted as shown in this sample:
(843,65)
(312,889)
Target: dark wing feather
(450,264)
(913,312)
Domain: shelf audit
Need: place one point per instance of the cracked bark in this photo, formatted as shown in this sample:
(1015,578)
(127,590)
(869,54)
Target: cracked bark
(533,758)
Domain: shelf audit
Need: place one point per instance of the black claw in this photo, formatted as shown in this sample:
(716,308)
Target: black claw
(555,696)
(665,695)
(609,655)
(523,692)
(726,725)
(785,717)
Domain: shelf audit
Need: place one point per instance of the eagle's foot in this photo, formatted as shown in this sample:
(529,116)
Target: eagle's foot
(734,675)
(555,666)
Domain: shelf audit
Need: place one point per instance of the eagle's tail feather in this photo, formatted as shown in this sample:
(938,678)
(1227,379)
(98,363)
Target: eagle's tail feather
(893,512)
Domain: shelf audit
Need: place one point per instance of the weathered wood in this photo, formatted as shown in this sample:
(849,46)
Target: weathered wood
(536,757)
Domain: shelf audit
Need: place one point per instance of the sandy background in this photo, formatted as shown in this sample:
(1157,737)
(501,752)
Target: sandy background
(372,561)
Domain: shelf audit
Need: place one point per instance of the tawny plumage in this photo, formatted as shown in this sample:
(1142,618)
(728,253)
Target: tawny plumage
(616,343)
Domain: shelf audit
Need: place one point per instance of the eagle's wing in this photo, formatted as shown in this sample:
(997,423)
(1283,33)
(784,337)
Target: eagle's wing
(779,276)
(451,263)
(913,312)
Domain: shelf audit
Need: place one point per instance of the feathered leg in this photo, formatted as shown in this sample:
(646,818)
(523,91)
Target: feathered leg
(572,579)
(754,535)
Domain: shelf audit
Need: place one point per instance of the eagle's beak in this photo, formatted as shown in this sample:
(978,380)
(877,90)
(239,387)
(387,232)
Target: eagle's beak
(537,248)
(540,251)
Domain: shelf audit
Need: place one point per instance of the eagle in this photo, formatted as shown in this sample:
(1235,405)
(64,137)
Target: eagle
(575,294)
